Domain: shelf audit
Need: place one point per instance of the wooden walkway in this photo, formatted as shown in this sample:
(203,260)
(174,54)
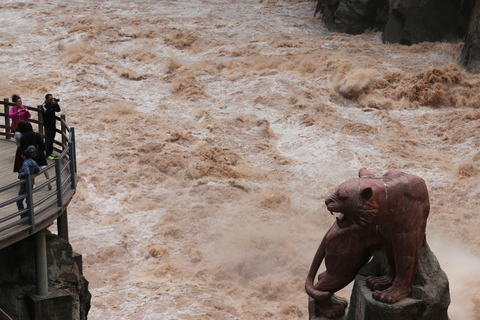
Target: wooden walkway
(7,176)
(49,205)
(7,155)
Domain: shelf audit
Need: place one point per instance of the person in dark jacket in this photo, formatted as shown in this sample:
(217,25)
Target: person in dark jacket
(30,137)
(18,154)
(29,167)
(49,107)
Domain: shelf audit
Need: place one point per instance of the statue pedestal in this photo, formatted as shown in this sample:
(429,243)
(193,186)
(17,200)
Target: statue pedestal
(364,307)
(314,311)
(429,298)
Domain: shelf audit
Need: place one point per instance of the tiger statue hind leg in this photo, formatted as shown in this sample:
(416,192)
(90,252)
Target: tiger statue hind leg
(345,251)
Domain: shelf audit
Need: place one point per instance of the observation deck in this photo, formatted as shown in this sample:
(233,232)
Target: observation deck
(43,207)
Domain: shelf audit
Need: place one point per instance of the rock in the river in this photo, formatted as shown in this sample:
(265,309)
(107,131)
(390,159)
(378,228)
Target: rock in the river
(470,56)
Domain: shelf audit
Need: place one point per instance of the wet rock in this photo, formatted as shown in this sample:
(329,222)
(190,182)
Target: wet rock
(403,21)
(18,278)
(411,22)
(429,299)
(470,56)
(354,16)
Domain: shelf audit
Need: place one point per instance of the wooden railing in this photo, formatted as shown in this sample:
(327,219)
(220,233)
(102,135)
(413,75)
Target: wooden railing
(41,211)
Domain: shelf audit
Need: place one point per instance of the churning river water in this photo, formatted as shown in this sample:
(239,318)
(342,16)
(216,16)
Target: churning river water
(209,134)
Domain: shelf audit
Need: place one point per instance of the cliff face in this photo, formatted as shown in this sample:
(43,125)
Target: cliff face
(410,22)
(470,56)
(18,278)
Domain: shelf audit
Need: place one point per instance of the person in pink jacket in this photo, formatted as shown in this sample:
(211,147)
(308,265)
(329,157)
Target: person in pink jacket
(18,112)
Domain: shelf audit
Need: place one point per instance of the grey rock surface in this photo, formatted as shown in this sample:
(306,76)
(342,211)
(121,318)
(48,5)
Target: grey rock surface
(18,278)
(410,22)
(429,299)
(470,56)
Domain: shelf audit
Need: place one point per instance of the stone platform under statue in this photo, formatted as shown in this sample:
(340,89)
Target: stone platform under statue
(429,298)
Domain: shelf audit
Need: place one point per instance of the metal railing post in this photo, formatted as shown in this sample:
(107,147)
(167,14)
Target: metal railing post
(72,139)
(58,179)
(72,164)
(41,263)
(29,190)
(7,118)
(64,130)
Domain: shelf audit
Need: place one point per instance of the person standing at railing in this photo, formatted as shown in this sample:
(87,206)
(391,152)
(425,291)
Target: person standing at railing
(30,137)
(18,112)
(49,107)
(29,167)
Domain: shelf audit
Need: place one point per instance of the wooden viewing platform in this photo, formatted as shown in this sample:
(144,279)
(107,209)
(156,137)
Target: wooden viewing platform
(43,206)
(9,178)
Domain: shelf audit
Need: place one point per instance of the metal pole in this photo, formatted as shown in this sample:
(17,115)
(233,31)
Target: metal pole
(62,226)
(72,164)
(29,198)
(64,130)
(58,176)
(72,139)
(41,263)
(7,118)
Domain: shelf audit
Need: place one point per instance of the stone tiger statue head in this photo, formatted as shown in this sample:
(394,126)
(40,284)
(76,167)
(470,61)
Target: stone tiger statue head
(358,201)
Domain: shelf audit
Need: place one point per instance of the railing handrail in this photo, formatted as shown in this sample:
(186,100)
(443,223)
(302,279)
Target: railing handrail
(4,315)
(42,212)
(32,120)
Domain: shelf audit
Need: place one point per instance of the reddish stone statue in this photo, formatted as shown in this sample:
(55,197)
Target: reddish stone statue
(346,249)
(390,210)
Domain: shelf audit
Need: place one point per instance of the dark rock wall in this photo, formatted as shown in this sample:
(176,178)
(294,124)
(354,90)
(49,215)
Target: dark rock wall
(470,56)
(18,277)
(353,16)
(410,22)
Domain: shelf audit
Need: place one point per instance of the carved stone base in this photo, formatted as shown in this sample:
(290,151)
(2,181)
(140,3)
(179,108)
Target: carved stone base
(429,299)
(364,307)
(314,311)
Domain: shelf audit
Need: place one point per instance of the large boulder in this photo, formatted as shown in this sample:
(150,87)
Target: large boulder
(470,56)
(410,22)
(415,21)
(18,276)
(353,16)
(403,21)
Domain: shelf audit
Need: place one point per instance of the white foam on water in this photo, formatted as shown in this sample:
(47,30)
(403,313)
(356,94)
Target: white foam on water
(209,134)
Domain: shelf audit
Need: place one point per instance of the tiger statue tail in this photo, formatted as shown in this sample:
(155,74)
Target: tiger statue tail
(317,261)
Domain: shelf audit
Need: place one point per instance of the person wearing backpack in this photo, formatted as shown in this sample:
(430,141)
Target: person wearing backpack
(32,138)
(29,167)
